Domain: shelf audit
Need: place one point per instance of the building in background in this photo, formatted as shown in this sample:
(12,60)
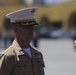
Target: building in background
(54,13)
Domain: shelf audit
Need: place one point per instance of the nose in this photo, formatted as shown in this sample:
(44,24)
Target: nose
(31,28)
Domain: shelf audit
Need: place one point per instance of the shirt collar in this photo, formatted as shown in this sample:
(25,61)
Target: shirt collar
(20,51)
(17,48)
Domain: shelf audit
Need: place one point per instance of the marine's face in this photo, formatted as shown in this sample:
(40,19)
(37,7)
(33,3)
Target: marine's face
(25,32)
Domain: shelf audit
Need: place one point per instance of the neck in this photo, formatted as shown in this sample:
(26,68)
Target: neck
(23,44)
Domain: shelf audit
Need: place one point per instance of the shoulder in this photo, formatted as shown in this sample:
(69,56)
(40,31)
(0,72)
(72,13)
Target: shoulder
(9,52)
(7,59)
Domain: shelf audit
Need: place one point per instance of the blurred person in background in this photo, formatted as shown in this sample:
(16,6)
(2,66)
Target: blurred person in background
(43,30)
(21,58)
(7,33)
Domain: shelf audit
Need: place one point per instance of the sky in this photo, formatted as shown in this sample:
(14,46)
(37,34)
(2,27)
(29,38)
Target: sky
(48,2)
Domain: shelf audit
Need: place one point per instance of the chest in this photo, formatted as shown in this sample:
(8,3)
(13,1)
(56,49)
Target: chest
(25,65)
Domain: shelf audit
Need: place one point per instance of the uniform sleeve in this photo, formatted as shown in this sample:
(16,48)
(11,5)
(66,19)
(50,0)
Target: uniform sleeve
(6,65)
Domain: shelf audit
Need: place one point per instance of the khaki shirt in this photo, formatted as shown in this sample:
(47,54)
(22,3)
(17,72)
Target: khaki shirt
(15,61)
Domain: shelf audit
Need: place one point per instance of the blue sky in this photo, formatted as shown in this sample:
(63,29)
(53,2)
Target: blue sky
(48,2)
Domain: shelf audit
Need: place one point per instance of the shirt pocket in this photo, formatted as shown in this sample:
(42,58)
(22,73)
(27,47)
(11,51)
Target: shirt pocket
(19,69)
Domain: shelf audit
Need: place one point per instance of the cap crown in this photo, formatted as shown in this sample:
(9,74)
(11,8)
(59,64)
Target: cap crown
(22,15)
